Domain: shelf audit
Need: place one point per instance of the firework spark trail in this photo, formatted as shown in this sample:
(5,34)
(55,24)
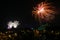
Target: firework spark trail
(44,11)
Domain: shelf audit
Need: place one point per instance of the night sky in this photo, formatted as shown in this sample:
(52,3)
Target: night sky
(22,11)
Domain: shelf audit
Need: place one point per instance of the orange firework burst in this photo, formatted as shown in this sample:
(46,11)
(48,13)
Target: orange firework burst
(44,11)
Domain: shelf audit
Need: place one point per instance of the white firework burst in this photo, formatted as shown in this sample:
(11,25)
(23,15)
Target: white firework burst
(13,24)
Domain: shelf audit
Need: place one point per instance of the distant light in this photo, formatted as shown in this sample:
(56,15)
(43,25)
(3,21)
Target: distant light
(32,28)
(10,36)
(52,31)
(13,24)
(15,34)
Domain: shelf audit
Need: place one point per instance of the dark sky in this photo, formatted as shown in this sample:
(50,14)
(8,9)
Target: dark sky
(22,11)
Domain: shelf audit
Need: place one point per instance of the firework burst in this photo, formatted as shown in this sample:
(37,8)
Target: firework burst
(13,24)
(44,11)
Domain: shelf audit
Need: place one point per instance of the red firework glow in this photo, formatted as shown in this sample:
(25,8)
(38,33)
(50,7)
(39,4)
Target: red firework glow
(44,11)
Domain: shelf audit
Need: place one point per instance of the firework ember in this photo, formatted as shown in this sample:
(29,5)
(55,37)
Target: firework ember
(44,11)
